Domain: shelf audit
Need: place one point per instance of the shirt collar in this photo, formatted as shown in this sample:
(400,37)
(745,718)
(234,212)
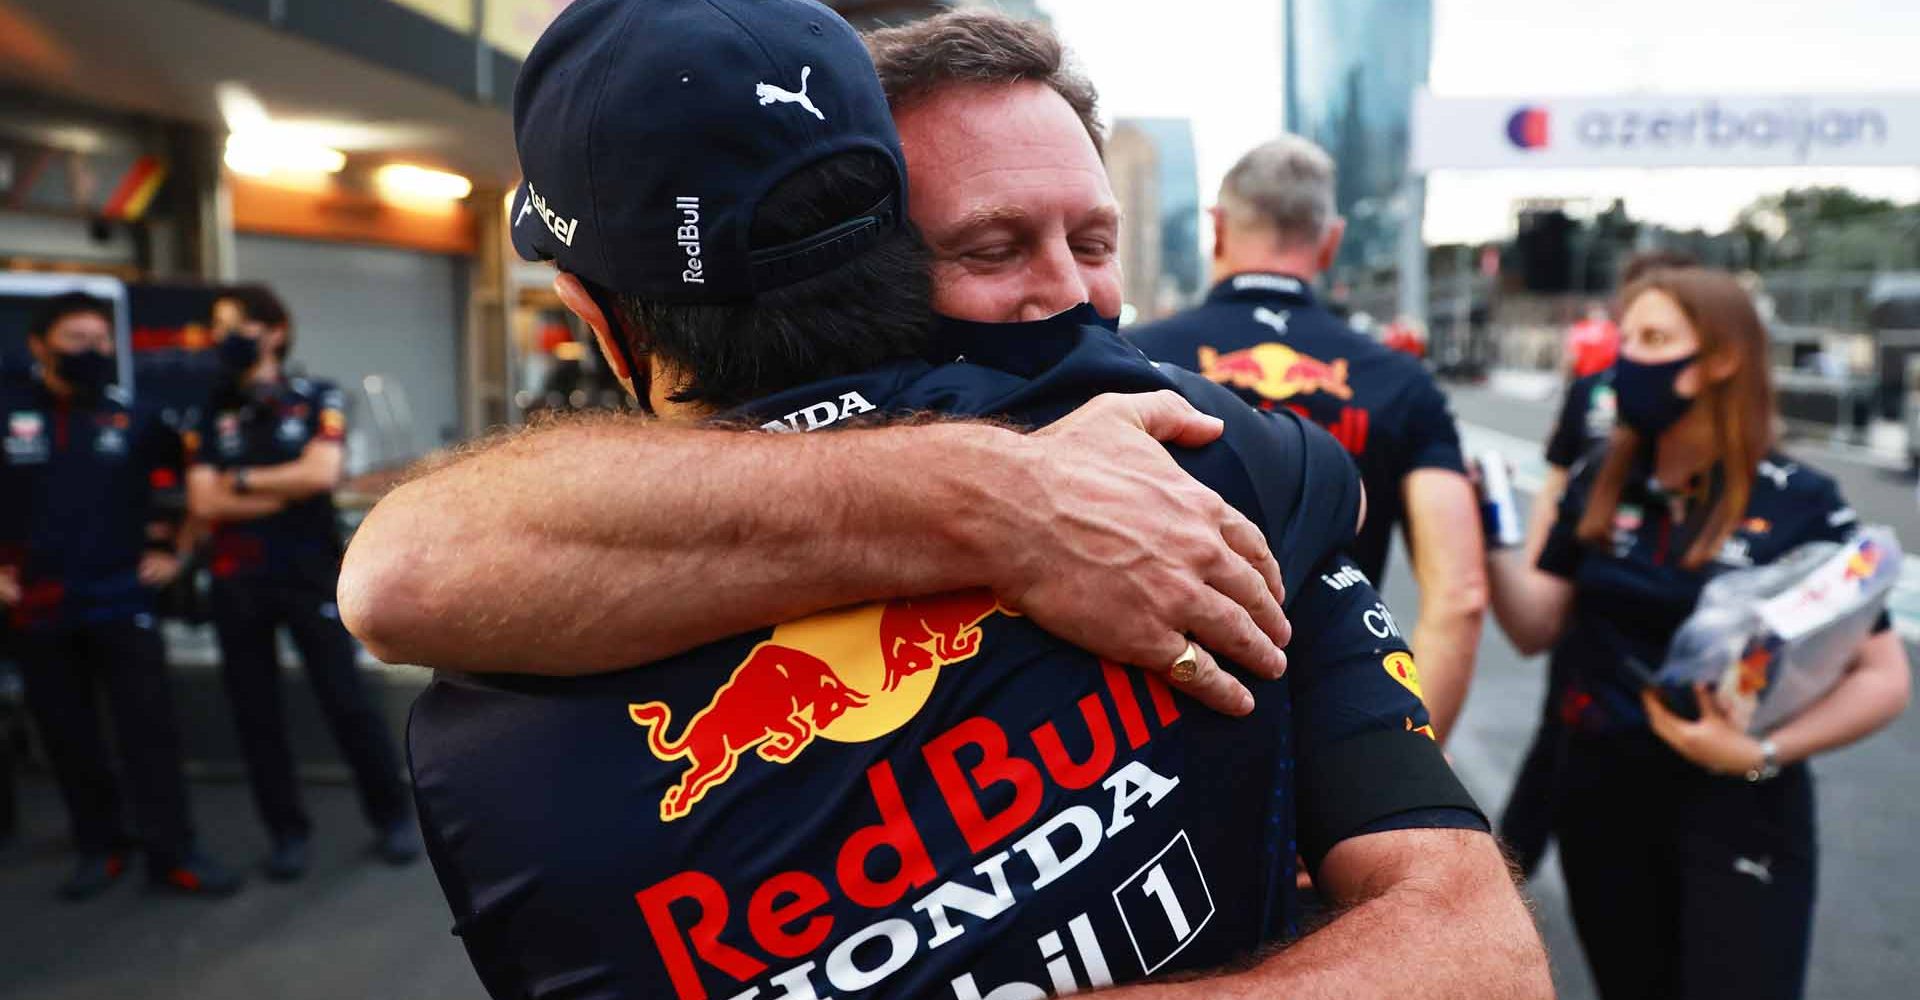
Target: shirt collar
(972,368)
(1263,286)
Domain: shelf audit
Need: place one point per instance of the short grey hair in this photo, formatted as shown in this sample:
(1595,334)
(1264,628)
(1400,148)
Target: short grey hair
(1286,185)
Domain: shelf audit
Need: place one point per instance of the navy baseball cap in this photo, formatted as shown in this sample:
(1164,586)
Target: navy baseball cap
(649,131)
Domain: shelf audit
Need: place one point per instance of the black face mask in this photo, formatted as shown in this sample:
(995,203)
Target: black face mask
(238,354)
(1647,400)
(87,372)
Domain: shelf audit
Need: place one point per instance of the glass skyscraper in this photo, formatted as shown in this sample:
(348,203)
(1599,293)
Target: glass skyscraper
(1352,69)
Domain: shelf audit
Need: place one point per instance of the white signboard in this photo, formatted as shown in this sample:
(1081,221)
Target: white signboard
(1666,130)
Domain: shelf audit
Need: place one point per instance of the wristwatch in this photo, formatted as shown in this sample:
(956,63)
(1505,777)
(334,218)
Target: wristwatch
(240,482)
(1769,768)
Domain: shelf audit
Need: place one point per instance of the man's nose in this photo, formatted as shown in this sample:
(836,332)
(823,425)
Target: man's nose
(1055,283)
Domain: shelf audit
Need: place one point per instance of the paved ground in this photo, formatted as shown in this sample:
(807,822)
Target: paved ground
(358,929)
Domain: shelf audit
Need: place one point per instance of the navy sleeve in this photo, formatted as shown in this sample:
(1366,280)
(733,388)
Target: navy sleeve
(1327,512)
(1364,745)
(1562,553)
(1433,439)
(1568,440)
(1305,486)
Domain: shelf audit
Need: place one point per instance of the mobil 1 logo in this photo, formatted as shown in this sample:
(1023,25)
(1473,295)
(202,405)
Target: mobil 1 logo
(1165,904)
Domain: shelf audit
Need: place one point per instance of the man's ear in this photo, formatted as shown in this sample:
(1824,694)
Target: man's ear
(575,297)
(1330,246)
(1219,218)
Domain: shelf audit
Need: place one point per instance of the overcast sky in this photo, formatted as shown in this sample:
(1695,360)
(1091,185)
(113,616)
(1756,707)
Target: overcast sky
(1218,63)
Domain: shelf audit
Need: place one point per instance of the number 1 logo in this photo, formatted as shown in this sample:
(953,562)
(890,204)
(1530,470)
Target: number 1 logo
(1165,905)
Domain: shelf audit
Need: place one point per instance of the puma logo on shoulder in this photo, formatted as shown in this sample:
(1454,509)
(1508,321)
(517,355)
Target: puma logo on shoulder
(770,94)
(1761,870)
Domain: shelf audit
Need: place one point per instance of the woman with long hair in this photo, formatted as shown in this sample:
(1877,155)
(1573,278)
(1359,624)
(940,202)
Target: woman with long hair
(1687,844)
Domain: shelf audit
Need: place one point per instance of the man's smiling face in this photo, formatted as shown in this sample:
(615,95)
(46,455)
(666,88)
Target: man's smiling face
(1011,195)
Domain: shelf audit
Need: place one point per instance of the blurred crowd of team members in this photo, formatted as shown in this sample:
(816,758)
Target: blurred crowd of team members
(94,527)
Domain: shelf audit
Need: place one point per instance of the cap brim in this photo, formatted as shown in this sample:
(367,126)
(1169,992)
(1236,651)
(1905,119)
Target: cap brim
(526,239)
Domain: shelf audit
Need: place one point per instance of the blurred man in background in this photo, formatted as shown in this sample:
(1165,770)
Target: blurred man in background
(266,456)
(81,549)
(1263,333)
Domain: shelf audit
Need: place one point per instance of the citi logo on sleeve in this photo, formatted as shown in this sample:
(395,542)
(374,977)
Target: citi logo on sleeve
(770,94)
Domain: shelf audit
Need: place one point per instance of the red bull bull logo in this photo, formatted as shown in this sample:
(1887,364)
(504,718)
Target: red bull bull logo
(849,676)
(774,704)
(1275,371)
(1864,562)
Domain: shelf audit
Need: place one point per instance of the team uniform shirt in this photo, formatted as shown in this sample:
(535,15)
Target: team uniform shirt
(1588,412)
(77,510)
(1632,595)
(266,426)
(1266,337)
(933,797)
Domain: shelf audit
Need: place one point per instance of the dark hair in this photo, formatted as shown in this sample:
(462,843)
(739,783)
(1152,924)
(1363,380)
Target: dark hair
(260,305)
(916,60)
(872,309)
(59,307)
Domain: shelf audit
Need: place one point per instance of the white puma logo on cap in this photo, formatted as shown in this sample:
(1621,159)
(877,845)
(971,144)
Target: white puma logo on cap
(770,94)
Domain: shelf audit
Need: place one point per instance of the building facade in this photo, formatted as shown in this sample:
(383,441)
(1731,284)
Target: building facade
(1352,67)
(1151,164)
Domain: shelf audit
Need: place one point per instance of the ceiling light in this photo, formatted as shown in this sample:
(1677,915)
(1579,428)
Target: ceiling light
(406,181)
(262,152)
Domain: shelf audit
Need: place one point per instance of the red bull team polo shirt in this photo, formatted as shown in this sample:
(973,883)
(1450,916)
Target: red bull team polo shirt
(931,797)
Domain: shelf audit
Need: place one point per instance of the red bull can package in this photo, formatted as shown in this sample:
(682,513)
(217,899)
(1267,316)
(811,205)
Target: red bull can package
(1499,507)
(1774,639)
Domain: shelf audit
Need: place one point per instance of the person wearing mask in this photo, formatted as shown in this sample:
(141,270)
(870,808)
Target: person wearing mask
(1687,844)
(265,457)
(82,549)
(912,796)
(1264,333)
(1586,420)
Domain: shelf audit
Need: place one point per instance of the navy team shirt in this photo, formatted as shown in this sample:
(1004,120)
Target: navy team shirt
(77,503)
(256,426)
(931,797)
(1587,415)
(1266,337)
(1632,595)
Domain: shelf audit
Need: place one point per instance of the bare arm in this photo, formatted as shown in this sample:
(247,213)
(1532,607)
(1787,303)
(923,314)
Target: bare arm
(1449,560)
(1431,914)
(316,471)
(602,544)
(1875,691)
(210,497)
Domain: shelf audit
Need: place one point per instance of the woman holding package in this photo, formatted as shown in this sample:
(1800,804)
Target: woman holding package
(1687,844)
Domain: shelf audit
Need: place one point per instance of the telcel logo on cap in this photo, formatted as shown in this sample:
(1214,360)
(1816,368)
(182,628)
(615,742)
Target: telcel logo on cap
(563,229)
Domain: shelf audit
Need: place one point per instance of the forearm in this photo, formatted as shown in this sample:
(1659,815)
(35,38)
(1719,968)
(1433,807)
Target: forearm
(1445,645)
(222,504)
(610,543)
(1422,937)
(1529,604)
(1872,694)
(290,481)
